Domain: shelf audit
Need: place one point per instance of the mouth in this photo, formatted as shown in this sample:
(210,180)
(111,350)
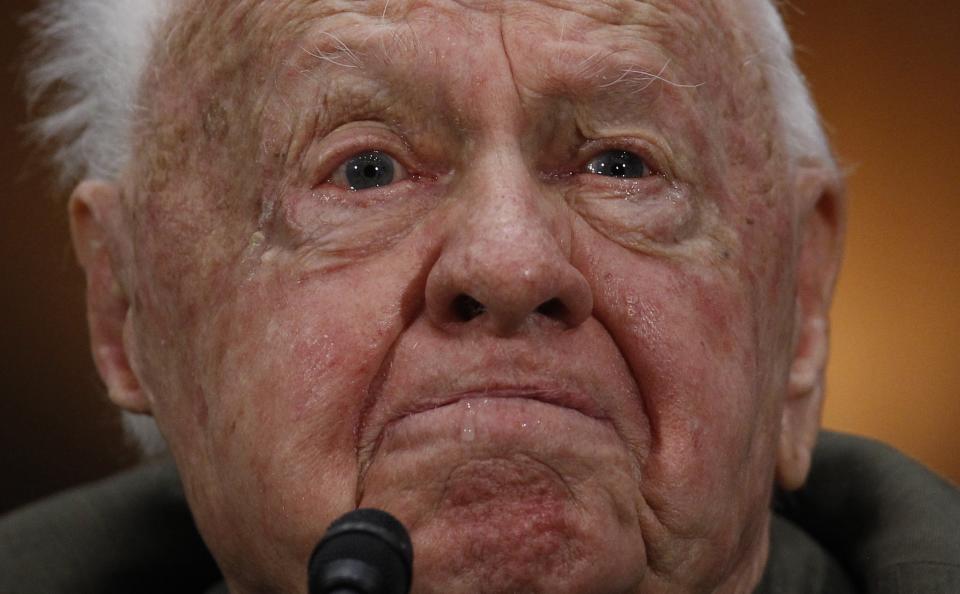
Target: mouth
(574,401)
(488,417)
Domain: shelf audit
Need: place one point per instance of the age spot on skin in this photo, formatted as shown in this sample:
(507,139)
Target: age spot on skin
(216,124)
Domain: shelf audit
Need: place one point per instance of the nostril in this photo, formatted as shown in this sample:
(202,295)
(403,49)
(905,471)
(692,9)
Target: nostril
(554,308)
(466,308)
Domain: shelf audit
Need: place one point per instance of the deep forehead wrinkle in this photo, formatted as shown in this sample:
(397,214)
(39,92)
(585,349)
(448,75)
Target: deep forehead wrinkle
(584,73)
(679,28)
(611,12)
(678,20)
(580,59)
(674,17)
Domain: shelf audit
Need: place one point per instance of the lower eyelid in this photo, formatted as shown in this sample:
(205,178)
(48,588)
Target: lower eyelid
(647,182)
(329,196)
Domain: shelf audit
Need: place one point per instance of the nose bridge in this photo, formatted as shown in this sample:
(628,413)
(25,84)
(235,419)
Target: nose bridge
(509,217)
(507,206)
(506,259)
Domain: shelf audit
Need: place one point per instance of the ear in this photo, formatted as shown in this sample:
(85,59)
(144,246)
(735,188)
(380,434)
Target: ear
(95,225)
(821,213)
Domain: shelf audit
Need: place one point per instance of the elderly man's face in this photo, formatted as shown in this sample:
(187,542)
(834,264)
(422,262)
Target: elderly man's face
(522,273)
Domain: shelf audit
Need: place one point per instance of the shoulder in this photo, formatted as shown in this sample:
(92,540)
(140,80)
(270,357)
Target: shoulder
(892,524)
(128,533)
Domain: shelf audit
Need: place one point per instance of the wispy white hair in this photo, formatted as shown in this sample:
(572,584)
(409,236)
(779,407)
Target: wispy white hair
(88,60)
(85,70)
(799,119)
(91,55)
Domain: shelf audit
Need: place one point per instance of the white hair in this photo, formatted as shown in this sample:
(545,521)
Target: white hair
(798,115)
(90,56)
(85,71)
(87,63)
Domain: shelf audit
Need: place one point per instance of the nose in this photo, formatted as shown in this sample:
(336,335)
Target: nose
(506,263)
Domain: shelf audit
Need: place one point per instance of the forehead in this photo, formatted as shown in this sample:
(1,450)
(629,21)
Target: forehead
(614,48)
(680,28)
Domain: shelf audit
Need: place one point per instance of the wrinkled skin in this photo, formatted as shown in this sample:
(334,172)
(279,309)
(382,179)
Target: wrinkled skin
(647,358)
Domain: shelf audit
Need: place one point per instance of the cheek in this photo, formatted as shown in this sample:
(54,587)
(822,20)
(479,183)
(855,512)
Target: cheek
(298,362)
(690,343)
(280,369)
(689,333)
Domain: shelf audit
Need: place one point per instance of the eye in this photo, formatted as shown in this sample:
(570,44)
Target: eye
(619,163)
(369,169)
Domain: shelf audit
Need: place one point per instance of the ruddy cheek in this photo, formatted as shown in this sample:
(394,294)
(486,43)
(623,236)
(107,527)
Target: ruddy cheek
(285,399)
(321,362)
(686,335)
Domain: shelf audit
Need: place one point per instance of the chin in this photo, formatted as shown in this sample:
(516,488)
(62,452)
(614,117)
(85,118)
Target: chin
(534,544)
(516,508)
(509,567)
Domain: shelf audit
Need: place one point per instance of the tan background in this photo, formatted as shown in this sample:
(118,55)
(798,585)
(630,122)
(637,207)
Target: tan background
(887,79)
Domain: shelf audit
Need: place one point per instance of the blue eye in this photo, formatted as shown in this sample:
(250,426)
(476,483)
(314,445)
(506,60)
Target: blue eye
(371,169)
(617,163)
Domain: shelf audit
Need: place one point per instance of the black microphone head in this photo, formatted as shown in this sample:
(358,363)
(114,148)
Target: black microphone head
(366,551)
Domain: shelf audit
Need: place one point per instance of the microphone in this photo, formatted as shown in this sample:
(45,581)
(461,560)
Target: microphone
(366,551)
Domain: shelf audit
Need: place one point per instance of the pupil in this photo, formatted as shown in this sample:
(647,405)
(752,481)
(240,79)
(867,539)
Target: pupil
(618,164)
(369,170)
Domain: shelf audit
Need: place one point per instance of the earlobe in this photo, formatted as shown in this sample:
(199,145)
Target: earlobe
(800,420)
(821,215)
(94,212)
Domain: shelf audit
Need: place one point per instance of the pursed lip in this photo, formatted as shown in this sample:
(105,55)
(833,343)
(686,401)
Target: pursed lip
(556,397)
(371,434)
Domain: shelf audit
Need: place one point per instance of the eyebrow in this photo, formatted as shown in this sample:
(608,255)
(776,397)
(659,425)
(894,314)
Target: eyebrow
(338,101)
(615,86)
(335,51)
(640,80)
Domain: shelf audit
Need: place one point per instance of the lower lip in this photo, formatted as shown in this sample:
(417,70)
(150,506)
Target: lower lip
(484,420)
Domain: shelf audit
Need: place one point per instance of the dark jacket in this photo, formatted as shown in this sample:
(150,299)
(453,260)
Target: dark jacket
(869,520)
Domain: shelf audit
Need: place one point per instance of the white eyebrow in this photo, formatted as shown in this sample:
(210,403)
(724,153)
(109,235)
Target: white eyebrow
(640,80)
(340,55)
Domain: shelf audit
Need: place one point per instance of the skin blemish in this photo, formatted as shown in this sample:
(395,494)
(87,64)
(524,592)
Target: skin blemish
(268,256)
(216,124)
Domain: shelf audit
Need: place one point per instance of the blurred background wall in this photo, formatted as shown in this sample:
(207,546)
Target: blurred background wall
(887,78)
